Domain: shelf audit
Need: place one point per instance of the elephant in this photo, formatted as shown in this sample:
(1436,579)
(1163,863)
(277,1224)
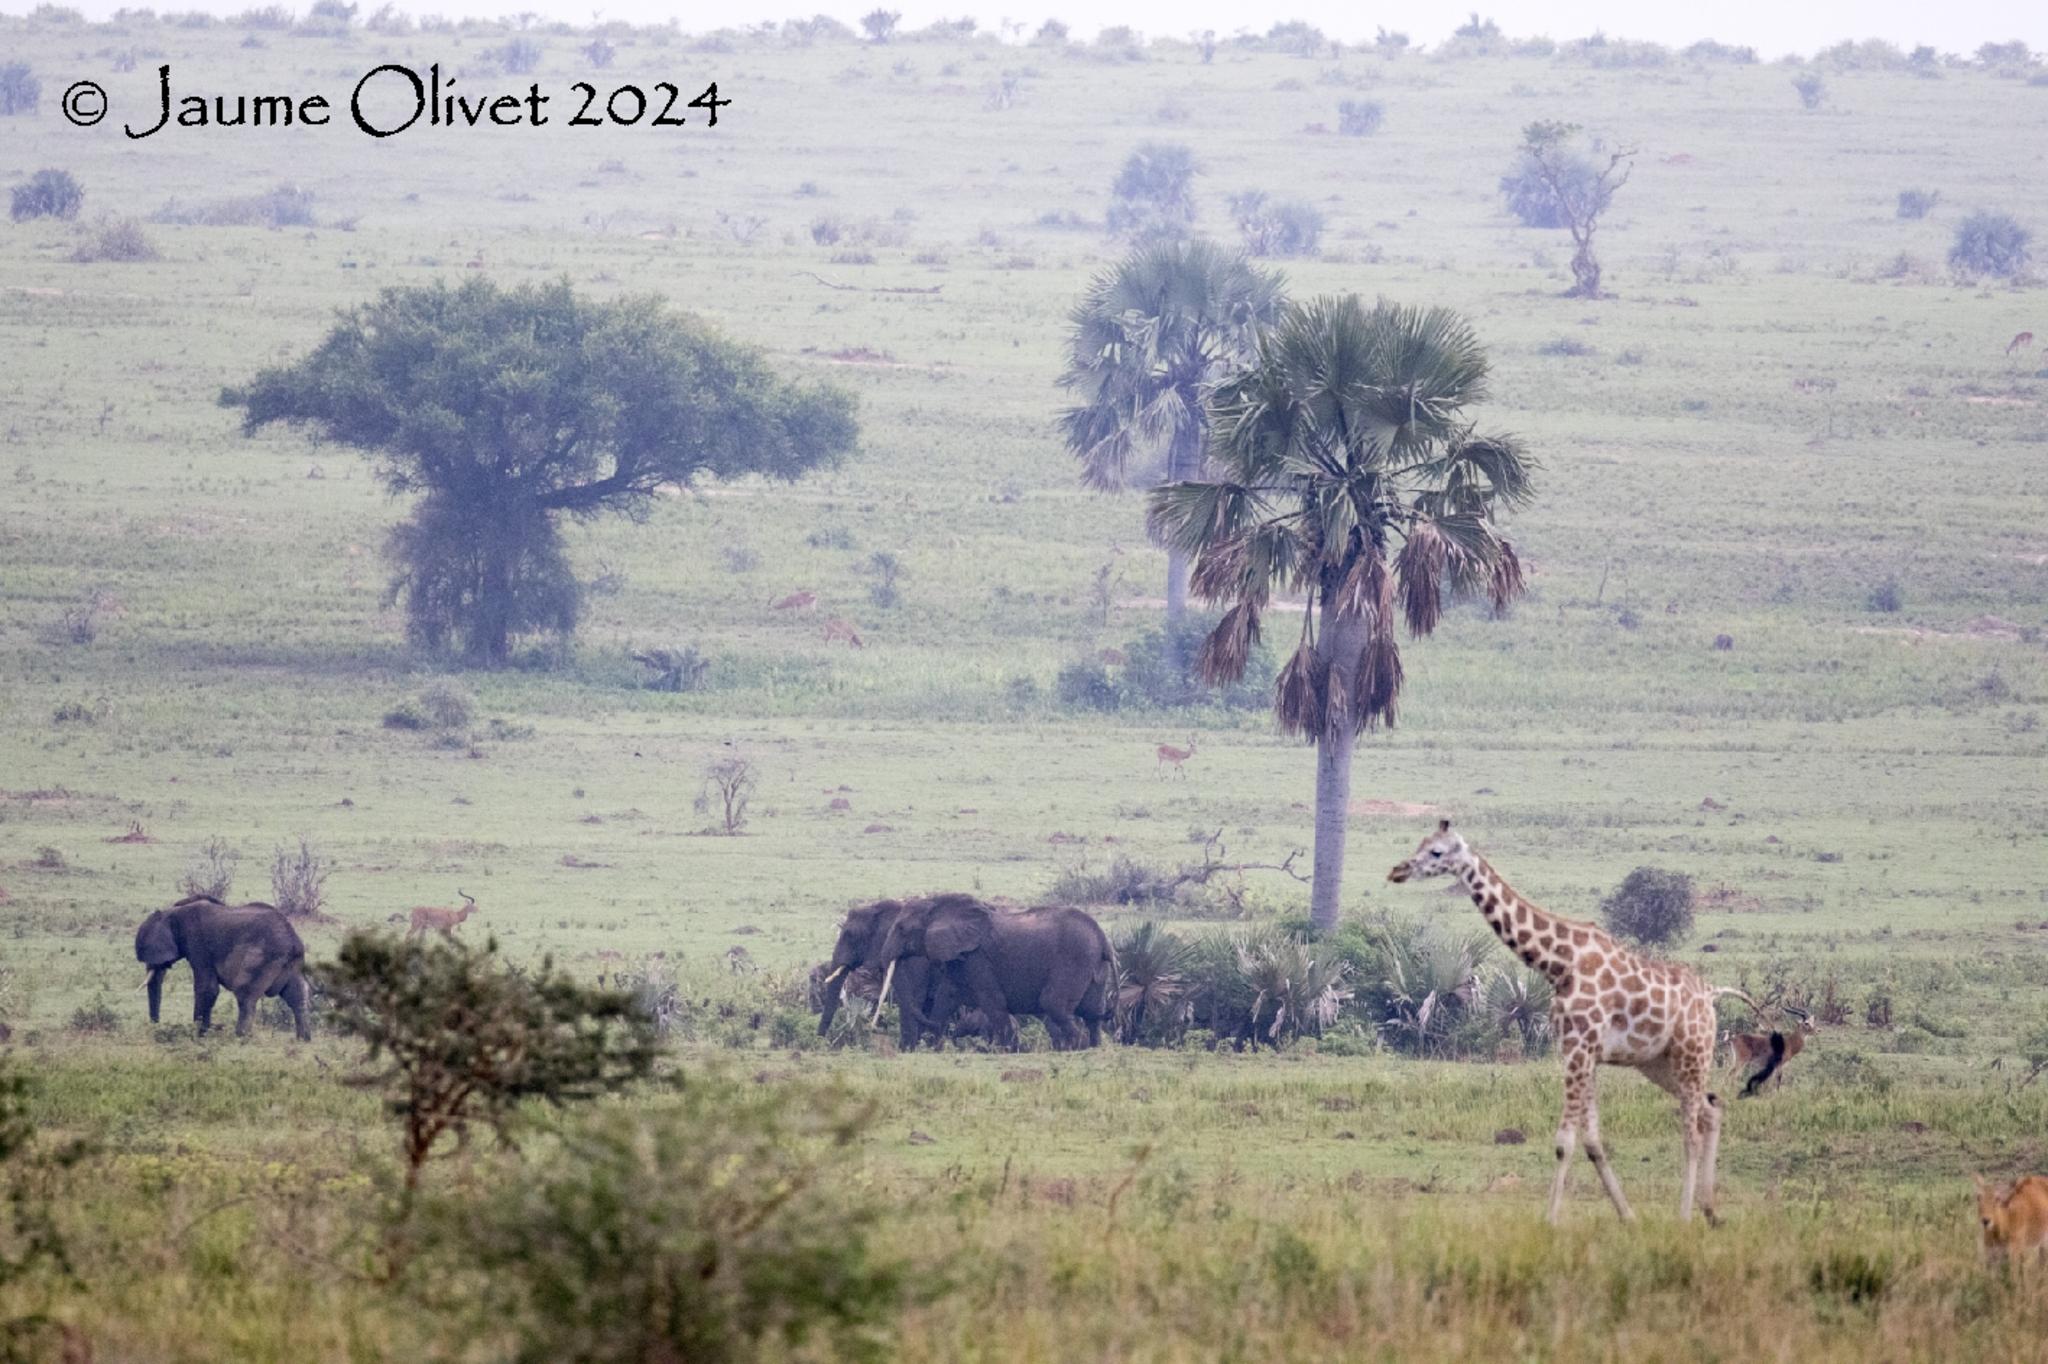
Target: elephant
(925,998)
(252,949)
(1049,962)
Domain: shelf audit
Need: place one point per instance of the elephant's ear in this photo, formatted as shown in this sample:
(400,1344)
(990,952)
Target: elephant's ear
(957,929)
(155,943)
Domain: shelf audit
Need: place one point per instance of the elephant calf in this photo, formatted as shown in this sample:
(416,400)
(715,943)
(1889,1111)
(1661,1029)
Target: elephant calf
(252,949)
(1052,963)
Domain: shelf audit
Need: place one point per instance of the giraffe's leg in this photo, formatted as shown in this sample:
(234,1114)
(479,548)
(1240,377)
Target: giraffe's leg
(1689,1122)
(1578,1094)
(1710,1151)
(1597,1153)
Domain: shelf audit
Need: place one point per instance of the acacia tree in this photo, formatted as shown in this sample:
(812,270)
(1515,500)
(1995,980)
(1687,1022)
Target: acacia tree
(1580,192)
(1345,470)
(1149,339)
(510,409)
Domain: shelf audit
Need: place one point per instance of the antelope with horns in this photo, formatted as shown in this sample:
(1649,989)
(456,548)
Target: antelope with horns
(442,921)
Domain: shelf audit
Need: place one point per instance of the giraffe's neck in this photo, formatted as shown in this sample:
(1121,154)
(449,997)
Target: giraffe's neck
(1541,939)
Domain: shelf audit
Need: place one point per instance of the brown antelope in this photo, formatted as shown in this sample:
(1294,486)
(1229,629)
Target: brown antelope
(1176,756)
(836,628)
(2020,342)
(1774,1049)
(796,601)
(2012,1220)
(442,921)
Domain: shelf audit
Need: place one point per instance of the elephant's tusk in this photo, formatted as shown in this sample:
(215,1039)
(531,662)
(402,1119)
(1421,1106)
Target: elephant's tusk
(883,998)
(837,972)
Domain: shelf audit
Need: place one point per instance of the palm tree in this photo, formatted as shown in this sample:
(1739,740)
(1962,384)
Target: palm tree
(1150,337)
(1344,436)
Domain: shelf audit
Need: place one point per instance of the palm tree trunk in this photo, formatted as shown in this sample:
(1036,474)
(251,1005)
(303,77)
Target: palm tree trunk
(1176,587)
(1341,641)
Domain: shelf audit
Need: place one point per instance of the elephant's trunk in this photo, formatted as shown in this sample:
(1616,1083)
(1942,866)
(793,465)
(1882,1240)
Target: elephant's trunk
(833,993)
(155,985)
(883,997)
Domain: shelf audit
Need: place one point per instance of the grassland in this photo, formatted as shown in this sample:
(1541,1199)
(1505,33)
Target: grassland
(1788,404)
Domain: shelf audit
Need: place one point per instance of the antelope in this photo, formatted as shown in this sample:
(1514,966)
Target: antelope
(1169,754)
(796,601)
(442,921)
(836,628)
(1774,1049)
(2020,342)
(2012,1220)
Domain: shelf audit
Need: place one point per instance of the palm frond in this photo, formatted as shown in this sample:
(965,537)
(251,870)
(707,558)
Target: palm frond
(1228,648)
(1421,566)
(1379,679)
(1298,693)
(1506,582)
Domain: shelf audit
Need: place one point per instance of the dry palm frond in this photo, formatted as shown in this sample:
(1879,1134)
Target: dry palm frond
(1379,679)
(1507,582)
(1298,693)
(1229,646)
(1422,563)
(1366,589)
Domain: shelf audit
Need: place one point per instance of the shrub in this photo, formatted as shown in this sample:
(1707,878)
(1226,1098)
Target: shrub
(446,704)
(285,206)
(298,880)
(20,89)
(268,16)
(47,194)
(717,1228)
(405,715)
(520,56)
(675,670)
(886,569)
(1886,598)
(1161,668)
(1988,243)
(96,1017)
(465,1039)
(120,239)
(1917,203)
(1290,227)
(1154,194)
(600,53)
(211,870)
(1125,881)
(1813,91)
(880,24)
(1567,346)
(1360,117)
(33,1250)
(1296,36)
(1086,685)
(1051,33)
(1652,907)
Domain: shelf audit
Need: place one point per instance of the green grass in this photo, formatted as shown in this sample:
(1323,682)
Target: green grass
(1768,422)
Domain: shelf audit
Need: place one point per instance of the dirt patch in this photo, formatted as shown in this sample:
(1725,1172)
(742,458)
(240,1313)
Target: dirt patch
(1405,809)
(134,835)
(861,355)
(1991,627)
(1988,400)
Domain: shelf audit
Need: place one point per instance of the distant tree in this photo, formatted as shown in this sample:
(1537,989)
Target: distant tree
(1813,91)
(20,90)
(1476,27)
(333,11)
(880,24)
(1296,36)
(47,194)
(600,52)
(509,409)
(1346,434)
(1051,33)
(1988,243)
(1651,906)
(1206,41)
(1148,341)
(1154,193)
(1578,189)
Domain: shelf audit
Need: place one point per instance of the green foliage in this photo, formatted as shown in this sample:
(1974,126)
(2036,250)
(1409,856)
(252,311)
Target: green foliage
(1988,243)
(20,90)
(35,1256)
(460,1038)
(1286,227)
(1087,685)
(719,1226)
(1651,906)
(1813,91)
(1153,197)
(1160,670)
(1360,117)
(880,24)
(512,408)
(1886,598)
(48,193)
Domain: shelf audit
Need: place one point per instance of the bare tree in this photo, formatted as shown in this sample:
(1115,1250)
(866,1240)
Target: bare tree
(1580,198)
(728,786)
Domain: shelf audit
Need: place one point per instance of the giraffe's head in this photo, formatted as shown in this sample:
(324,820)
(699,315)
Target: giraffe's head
(1438,853)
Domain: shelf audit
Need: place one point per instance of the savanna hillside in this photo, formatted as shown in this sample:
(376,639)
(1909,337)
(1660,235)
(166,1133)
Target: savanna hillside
(1792,425)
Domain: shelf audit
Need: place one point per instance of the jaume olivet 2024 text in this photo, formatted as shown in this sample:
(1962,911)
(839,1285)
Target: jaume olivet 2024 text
(392,99)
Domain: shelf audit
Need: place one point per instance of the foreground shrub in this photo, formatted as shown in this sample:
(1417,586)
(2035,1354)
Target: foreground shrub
(46,194)
(34,1257)
(1287,227)
(1988,243)
(1154,193)
(120,239)
(1652,907)
(711,1230)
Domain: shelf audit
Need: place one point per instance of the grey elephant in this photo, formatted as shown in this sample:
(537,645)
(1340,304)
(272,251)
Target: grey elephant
(1049,963)
(925,999)
(251,949)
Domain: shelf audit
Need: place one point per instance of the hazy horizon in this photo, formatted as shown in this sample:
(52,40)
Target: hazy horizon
(1773,29)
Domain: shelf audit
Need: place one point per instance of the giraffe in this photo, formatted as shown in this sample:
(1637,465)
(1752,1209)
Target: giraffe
(1609,1006)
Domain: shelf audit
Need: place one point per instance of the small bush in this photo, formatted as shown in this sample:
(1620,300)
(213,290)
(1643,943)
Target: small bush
(1568,346)
(1917,203)
(1813,91)
(298,880)
(1360,117)
(20,89)
(673,669)
(520,56)
(74,713)
(211,870)
(716,1228)
(1153,196)
(446,705)
(96,1017)
(1125,881)
(1652,907)
(405,715)
(120,239)
(1988,243)
(1289,227)
(285,206)
(1086,685)
(46,194)
(50,859)
(1886,598)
